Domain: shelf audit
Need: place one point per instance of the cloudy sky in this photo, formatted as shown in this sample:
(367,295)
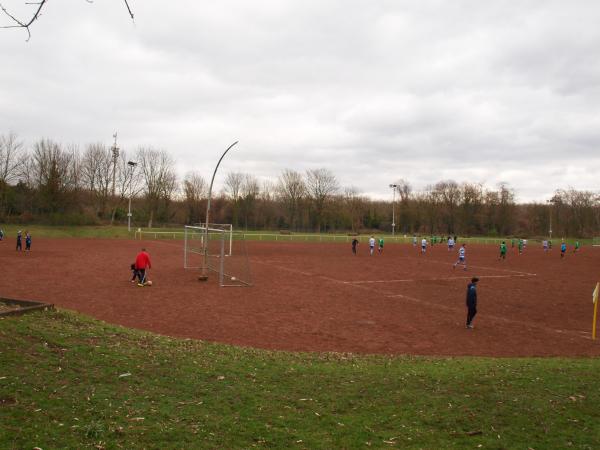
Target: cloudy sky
(375,90)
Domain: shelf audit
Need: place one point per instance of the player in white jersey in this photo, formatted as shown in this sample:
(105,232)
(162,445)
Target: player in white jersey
(414,240)
(450,243)
(423,245)
(461,258)
(371,245)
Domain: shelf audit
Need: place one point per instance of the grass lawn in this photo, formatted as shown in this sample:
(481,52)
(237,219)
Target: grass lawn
(107,231)
(67,381)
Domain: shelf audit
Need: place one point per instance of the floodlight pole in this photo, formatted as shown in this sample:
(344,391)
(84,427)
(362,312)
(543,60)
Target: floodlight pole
(393,186)
(204,273)
(132,165)
(551,203)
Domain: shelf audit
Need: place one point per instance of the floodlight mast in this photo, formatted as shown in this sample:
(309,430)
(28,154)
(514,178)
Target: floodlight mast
(394,187)
(204,274)
(131,165)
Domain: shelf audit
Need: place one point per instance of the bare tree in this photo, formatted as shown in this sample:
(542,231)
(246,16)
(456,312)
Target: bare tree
(37,13)
(321,184)
(355,204)
(96,175)
(233,187)
(195,190)
(52,174)
(291,190)
(10,153)
(160,181)
(249,193)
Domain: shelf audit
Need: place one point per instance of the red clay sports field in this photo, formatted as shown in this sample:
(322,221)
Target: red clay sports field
(319,297)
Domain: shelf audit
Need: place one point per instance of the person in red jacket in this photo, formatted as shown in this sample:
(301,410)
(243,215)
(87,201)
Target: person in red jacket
(142,263)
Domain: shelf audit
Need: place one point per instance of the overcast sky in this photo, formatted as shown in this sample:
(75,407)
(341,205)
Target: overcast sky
(479,91)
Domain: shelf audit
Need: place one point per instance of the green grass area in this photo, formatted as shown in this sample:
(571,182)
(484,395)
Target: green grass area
(71,382)
(107,231)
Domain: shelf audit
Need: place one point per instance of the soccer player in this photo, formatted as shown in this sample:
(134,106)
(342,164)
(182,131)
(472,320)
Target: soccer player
(27,241)
(563,249)
(450,243)
(423,245)
(134,273)
(502,250)
(512,243)
(380,249)
(461,257)
(142,263)
(520,246)
(19,241)
(1,234)
(471,301)
(371,245)
(576,249)
(414,240)
(545,245)
(354,244)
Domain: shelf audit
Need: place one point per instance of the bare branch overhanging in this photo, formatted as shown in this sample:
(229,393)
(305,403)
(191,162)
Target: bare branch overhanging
(38,12)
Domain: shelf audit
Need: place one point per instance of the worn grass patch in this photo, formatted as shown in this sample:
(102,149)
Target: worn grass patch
(67,381)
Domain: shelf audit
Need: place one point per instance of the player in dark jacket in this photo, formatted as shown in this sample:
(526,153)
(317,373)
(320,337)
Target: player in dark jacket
(471,301)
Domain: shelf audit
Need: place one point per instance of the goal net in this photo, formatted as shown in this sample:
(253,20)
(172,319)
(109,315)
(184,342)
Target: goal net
(221,251)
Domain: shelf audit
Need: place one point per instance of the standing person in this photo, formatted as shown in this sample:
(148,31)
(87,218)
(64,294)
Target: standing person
(414,240)
(461,257)
(549,244)
(19,241)
(423,245)
(354,244)
(371,245)
(520,246)
(1,234)
(502,250)
(134,273)
(545,245)
(576,249)
(27,241)
(380,249)
(450,243)
(512,243)
(142,263)
(563,249)
(471,301)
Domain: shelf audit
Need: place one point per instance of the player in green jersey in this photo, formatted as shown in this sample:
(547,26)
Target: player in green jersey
(380,249)
(502,251)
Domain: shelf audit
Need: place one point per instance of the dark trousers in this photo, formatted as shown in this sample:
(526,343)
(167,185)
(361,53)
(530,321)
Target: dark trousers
(142,275)
(19,245)
(471,314)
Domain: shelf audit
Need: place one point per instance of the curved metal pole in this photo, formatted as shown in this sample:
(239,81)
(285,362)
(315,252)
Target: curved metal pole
(205,262)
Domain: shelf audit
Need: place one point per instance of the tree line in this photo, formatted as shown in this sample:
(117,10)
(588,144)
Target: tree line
(63,184)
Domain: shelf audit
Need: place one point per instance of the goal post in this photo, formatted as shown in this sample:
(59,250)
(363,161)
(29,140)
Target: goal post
(226,227)
(225,250)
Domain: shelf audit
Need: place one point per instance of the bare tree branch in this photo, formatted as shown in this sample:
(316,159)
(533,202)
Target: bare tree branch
(26,24)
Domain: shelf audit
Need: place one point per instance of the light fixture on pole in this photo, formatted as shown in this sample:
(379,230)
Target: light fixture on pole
(394,187)
(131,165)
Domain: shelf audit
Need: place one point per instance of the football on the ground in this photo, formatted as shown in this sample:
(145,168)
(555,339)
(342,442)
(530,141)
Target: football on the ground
(149,283)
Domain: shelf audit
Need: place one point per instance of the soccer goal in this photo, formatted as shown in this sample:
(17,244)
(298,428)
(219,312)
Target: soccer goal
(226,254)
(596,242)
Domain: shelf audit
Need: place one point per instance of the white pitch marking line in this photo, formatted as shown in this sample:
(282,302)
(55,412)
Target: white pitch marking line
(436,279)
(574,333)
(483,267)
